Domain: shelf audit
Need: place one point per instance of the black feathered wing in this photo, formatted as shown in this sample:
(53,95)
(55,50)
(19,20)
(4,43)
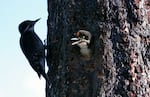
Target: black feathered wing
(33,49)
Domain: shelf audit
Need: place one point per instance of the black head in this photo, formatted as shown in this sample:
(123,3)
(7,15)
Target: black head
(27,25)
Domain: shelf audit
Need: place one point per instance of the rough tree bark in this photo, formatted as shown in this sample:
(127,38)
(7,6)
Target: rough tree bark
(120,62)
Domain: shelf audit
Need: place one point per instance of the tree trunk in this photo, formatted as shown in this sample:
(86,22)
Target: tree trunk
(120,62)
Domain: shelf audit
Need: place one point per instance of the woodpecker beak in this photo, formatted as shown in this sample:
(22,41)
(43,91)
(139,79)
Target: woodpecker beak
(37,20)
(33,23)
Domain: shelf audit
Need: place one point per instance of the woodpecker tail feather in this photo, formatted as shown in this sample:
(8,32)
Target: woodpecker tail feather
(39,75)
(47,80)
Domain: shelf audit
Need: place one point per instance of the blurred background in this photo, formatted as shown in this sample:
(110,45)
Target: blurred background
(17,78)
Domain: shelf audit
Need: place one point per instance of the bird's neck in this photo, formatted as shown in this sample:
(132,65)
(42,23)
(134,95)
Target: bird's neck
(31,29)
(27,32)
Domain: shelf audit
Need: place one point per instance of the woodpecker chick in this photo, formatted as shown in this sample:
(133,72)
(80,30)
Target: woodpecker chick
(33,48)
(83,40)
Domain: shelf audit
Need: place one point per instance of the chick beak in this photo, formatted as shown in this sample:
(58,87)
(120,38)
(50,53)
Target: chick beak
(74,39)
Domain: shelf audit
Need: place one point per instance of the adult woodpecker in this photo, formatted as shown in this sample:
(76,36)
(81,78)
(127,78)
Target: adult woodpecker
(83,40)
(32,47)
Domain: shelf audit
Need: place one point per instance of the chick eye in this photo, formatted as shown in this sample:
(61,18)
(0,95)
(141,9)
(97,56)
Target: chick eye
(83,37)
(86,37)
